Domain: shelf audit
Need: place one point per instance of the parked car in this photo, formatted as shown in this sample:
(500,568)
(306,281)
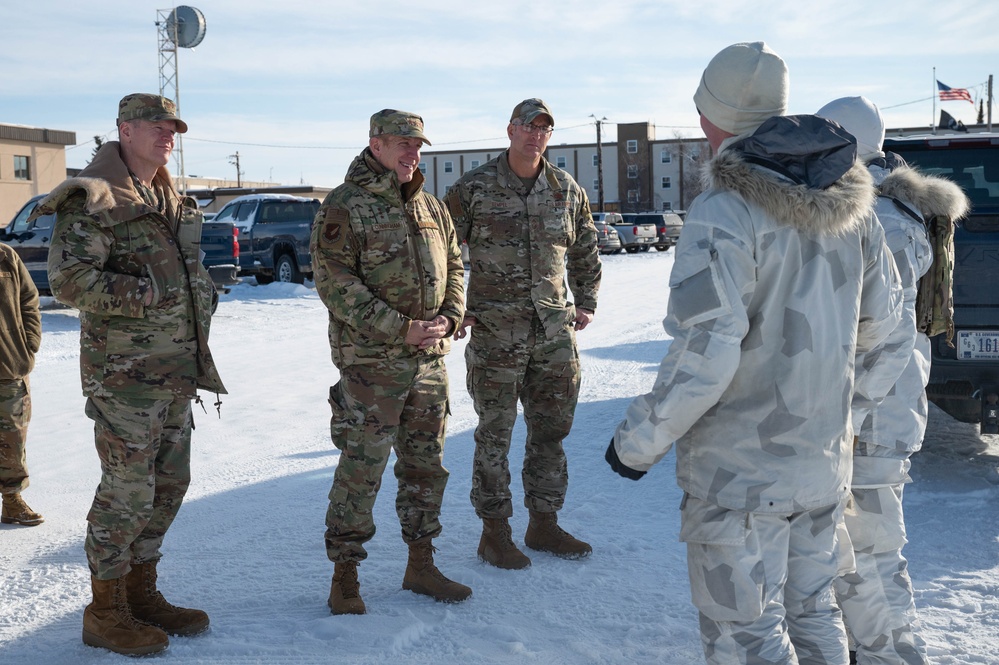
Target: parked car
(636,236)
(31,241)
(667,225)
(274,233)
(964,378)
(608,240)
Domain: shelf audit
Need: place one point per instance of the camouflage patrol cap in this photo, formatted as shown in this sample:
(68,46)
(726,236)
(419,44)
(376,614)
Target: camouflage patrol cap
(397,123)
(529,109)
(144,106)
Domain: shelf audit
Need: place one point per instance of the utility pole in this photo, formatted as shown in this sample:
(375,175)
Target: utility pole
(234,159)
(990,102)
(600,167)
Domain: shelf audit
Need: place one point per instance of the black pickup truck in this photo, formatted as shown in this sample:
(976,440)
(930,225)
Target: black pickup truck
(964,377)
(31,239)
(274,233)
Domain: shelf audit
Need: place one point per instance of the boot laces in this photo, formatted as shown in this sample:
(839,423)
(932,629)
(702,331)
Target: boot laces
(349,586)
(122,609)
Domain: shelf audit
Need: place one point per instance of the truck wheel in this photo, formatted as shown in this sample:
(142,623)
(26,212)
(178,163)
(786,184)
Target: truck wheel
(285,270)
(662,248)
(646,248)
(632,249)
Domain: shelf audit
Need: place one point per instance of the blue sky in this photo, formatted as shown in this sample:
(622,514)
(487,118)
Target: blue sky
(291,84)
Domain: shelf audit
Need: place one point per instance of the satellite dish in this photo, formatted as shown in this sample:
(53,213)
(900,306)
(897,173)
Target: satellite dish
(185,26)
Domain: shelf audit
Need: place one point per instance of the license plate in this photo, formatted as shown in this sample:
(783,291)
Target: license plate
(978,344)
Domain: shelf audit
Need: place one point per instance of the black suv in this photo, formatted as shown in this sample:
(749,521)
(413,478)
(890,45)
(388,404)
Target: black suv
(31,241)
(964,380)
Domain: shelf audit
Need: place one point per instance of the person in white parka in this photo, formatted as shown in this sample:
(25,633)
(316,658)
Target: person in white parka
(781,275)
(877,597)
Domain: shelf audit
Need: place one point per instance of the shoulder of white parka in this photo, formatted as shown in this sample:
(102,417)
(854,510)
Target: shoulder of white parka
(929,195)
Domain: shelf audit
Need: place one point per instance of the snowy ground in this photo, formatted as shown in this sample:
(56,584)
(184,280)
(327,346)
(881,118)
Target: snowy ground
(248,545)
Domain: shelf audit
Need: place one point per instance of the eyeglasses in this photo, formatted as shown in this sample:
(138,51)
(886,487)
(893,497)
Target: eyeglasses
(540,130)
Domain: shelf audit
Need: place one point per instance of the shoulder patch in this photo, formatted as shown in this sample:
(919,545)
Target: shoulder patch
(334,222)
(454,203)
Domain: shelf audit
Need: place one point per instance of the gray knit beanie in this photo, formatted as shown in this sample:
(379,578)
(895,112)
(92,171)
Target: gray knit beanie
(744,85)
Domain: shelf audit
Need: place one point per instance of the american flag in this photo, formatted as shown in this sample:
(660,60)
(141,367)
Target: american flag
(948,93)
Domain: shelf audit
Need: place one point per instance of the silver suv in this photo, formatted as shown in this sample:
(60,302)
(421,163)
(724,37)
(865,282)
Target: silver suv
(608,241)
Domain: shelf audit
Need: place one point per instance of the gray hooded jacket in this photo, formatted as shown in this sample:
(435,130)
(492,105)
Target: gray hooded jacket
(781,275)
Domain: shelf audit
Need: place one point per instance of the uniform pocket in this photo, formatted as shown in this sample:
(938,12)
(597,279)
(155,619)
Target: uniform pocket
(723,560)
(340,422)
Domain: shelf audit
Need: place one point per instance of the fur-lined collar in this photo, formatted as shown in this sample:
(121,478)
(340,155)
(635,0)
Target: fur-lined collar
(930,195)
(108,186)
(837,209)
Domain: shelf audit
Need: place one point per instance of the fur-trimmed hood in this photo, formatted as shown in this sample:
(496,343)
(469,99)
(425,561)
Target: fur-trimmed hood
(109,189)
(801,171)
(930,195)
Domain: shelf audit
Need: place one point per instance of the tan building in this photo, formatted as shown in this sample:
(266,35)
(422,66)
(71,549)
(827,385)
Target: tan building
(32,161)
(639,173)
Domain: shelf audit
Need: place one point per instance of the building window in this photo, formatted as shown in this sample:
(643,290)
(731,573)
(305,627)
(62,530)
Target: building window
(667,206)
(596,160)
(667,156)
(474,164)
(667,182)
(423,168)
(560,162)
(632,170)
(632,196)
(21,168)
(633,146)
(596,185)
(448,167)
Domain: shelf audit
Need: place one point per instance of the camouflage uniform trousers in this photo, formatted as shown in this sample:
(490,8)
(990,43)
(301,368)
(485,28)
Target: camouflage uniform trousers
(544,374)
(145,451)
(877,598)
(15,412)
(400,405)
(763,584)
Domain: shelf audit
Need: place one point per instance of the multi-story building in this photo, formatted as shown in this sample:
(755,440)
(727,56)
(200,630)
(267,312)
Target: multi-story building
(32,161)
(636,173)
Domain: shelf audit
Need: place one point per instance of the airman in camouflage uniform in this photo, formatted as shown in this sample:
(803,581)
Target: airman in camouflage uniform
(20,337)
(388,268)
(125,252)
(528,229)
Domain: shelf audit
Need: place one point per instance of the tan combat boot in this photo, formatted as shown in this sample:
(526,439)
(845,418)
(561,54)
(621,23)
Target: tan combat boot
(108,622)
(423,577)
(545,535)
(149,605)
(345,590)
(496,546)
(16,511)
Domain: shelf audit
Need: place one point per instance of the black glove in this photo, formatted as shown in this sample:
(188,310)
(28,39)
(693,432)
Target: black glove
(618,465)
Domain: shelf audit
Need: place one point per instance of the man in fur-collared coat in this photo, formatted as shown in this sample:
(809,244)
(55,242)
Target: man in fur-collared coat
(876,597)
(781,275)
(126,252)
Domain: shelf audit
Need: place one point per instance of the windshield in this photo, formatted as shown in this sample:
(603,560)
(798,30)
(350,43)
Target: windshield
(975,167)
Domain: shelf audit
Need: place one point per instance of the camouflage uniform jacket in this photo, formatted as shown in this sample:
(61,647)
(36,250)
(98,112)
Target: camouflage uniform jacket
(20,320)
(109,248)
(384,256)
(907,197)
(521,245)
(781,276)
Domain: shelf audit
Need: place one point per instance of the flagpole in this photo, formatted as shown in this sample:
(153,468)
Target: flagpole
(933,118)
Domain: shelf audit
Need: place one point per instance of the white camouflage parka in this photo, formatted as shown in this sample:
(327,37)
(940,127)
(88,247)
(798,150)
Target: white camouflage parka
(781,275)
(906,198)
